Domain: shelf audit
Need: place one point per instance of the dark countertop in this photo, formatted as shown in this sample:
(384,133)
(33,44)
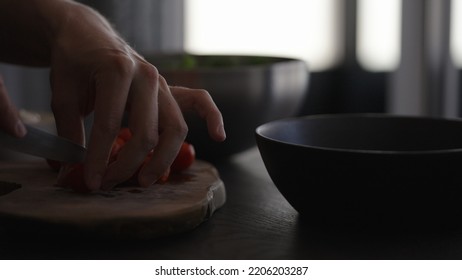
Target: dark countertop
(255,223)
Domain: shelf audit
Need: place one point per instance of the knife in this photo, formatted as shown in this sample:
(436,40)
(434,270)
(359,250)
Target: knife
(45,145)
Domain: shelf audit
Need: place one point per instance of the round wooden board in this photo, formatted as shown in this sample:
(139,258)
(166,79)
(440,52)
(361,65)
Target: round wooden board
(179,205)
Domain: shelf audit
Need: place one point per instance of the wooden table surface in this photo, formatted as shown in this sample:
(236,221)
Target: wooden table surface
(256,223)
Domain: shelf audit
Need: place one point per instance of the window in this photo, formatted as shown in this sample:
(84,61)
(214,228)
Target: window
(305,29)
(379,42)
(456,34)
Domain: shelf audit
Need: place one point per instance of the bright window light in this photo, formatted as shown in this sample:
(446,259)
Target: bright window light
(379,35)
(304,29)
(456,32)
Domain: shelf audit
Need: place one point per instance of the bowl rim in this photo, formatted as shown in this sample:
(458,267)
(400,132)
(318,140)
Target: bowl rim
(259,131)
(281,60)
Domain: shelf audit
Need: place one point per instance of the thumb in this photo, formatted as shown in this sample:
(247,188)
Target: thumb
(9,118)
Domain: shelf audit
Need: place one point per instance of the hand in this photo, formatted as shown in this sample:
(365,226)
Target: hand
(93,69)
(171,133)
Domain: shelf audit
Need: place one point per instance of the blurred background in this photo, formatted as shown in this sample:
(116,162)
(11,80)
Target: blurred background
(394,56)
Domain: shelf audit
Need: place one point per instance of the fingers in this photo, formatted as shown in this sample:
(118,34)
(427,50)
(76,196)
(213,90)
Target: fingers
(10,121)
(143,123)
(157,122)
(173,131)
(112,88)
(201,102)
(68,117)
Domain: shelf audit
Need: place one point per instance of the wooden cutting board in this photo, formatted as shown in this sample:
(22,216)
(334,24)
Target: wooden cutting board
(37,205)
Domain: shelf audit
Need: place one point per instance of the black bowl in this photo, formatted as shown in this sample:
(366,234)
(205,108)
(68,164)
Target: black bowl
(249,90)
(366,167)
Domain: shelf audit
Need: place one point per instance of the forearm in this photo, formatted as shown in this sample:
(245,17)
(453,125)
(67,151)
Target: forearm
(30,30)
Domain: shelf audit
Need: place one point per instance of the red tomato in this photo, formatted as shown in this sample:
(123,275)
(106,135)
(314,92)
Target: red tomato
(185,158)
(125,134)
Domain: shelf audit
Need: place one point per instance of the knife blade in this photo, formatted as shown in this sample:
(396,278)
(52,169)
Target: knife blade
(43,144)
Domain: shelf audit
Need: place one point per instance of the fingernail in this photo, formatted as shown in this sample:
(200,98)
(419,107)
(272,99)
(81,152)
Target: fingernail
(221,131)
(19,129)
